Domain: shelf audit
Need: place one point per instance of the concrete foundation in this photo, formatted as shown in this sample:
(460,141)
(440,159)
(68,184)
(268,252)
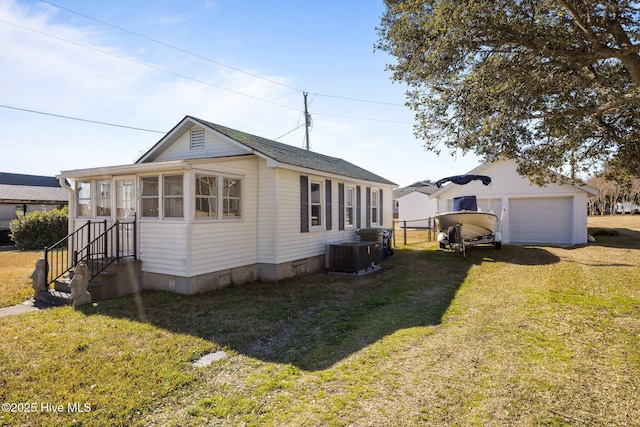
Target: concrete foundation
(233,276)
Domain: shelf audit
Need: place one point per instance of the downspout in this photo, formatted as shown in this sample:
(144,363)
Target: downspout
(72,204)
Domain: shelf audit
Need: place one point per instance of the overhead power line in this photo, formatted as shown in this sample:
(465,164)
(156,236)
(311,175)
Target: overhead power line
(155,67)
(196,55)
(158,68)
(81,120)
(287,133)
(179,49)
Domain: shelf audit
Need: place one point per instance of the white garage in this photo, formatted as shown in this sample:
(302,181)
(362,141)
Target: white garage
(553,215)
(541,220)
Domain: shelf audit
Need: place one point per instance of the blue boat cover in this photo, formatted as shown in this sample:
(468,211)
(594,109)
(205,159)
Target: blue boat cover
(464,179)
(465,203)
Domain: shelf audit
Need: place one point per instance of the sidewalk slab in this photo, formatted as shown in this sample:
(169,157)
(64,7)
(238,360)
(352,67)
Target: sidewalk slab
(25,307)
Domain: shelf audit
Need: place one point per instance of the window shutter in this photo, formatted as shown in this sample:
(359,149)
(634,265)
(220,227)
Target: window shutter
(329,208)
(380,205)
(358,206)
(368,206)
(304,204)
(341,206)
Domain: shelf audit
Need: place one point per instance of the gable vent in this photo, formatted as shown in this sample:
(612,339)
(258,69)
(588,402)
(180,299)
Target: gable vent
(197,138)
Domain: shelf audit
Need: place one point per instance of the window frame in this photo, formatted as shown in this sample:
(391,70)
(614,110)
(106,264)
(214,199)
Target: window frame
(347,207)
(103,202)
(167,199)
(79,205)
(319,204)
(144,197)
(226,199)
(222,200)
(213,199)
(375,207)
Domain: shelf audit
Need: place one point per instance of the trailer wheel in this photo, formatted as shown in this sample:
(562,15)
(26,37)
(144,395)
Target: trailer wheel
(456,241)
(461,246)
(452,235)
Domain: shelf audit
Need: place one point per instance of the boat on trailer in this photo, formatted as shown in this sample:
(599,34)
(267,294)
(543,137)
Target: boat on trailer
(466,225)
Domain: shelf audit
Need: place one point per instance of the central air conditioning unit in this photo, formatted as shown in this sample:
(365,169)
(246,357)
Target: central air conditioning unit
(353,257)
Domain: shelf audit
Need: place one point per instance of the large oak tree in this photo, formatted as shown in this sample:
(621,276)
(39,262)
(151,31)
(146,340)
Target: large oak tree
(553,84)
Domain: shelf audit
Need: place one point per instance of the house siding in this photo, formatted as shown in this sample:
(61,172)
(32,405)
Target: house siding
(222,244)
(164,247)
(293,244)
(267,196)
(214,146)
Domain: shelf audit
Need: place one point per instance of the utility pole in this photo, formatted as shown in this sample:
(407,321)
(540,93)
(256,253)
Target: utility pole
(307,120)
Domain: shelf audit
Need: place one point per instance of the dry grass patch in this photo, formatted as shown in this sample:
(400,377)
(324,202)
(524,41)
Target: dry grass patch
(15,269)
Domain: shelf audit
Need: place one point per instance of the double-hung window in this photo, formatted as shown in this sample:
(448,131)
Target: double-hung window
(149,196)
(173,196)
(315,203)
(206,196)
(374,207)
(103,197)
(83,193)
(231,198)
(349,206)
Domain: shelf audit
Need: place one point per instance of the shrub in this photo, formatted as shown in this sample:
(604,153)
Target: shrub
(38,229)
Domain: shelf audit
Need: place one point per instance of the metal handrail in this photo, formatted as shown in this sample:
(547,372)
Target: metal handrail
(108,247)
(98,252)
(57,255)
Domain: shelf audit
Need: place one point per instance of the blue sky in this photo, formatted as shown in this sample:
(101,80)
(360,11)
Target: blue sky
(242,64)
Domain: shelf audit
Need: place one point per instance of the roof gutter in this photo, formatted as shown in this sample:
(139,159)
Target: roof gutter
(125,169)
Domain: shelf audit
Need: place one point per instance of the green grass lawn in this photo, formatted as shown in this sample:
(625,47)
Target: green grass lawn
(518,336)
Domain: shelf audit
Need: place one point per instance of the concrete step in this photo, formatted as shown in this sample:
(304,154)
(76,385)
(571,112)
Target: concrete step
(53,297)
(62,285)
(119,279)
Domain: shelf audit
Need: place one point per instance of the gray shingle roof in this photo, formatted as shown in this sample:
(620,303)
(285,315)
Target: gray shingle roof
(28,180)
(288,154)
(32,194)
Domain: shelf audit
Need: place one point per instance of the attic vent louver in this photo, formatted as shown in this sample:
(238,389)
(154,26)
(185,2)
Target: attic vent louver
(197,138)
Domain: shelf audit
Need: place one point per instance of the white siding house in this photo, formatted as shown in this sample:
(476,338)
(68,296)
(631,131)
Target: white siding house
(415,205)
(216,206)
(555,214)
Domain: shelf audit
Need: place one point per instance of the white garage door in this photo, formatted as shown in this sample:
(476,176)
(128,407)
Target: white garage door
(541,220)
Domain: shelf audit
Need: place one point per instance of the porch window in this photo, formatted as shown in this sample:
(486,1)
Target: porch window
(206,196)
(348,206)
(173,200)
(149,197)
(83,194)
(103,198)
(315,203)
(125,198)
(231,198)
(374,207)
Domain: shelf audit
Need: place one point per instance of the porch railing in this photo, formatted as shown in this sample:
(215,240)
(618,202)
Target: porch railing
(95,244)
